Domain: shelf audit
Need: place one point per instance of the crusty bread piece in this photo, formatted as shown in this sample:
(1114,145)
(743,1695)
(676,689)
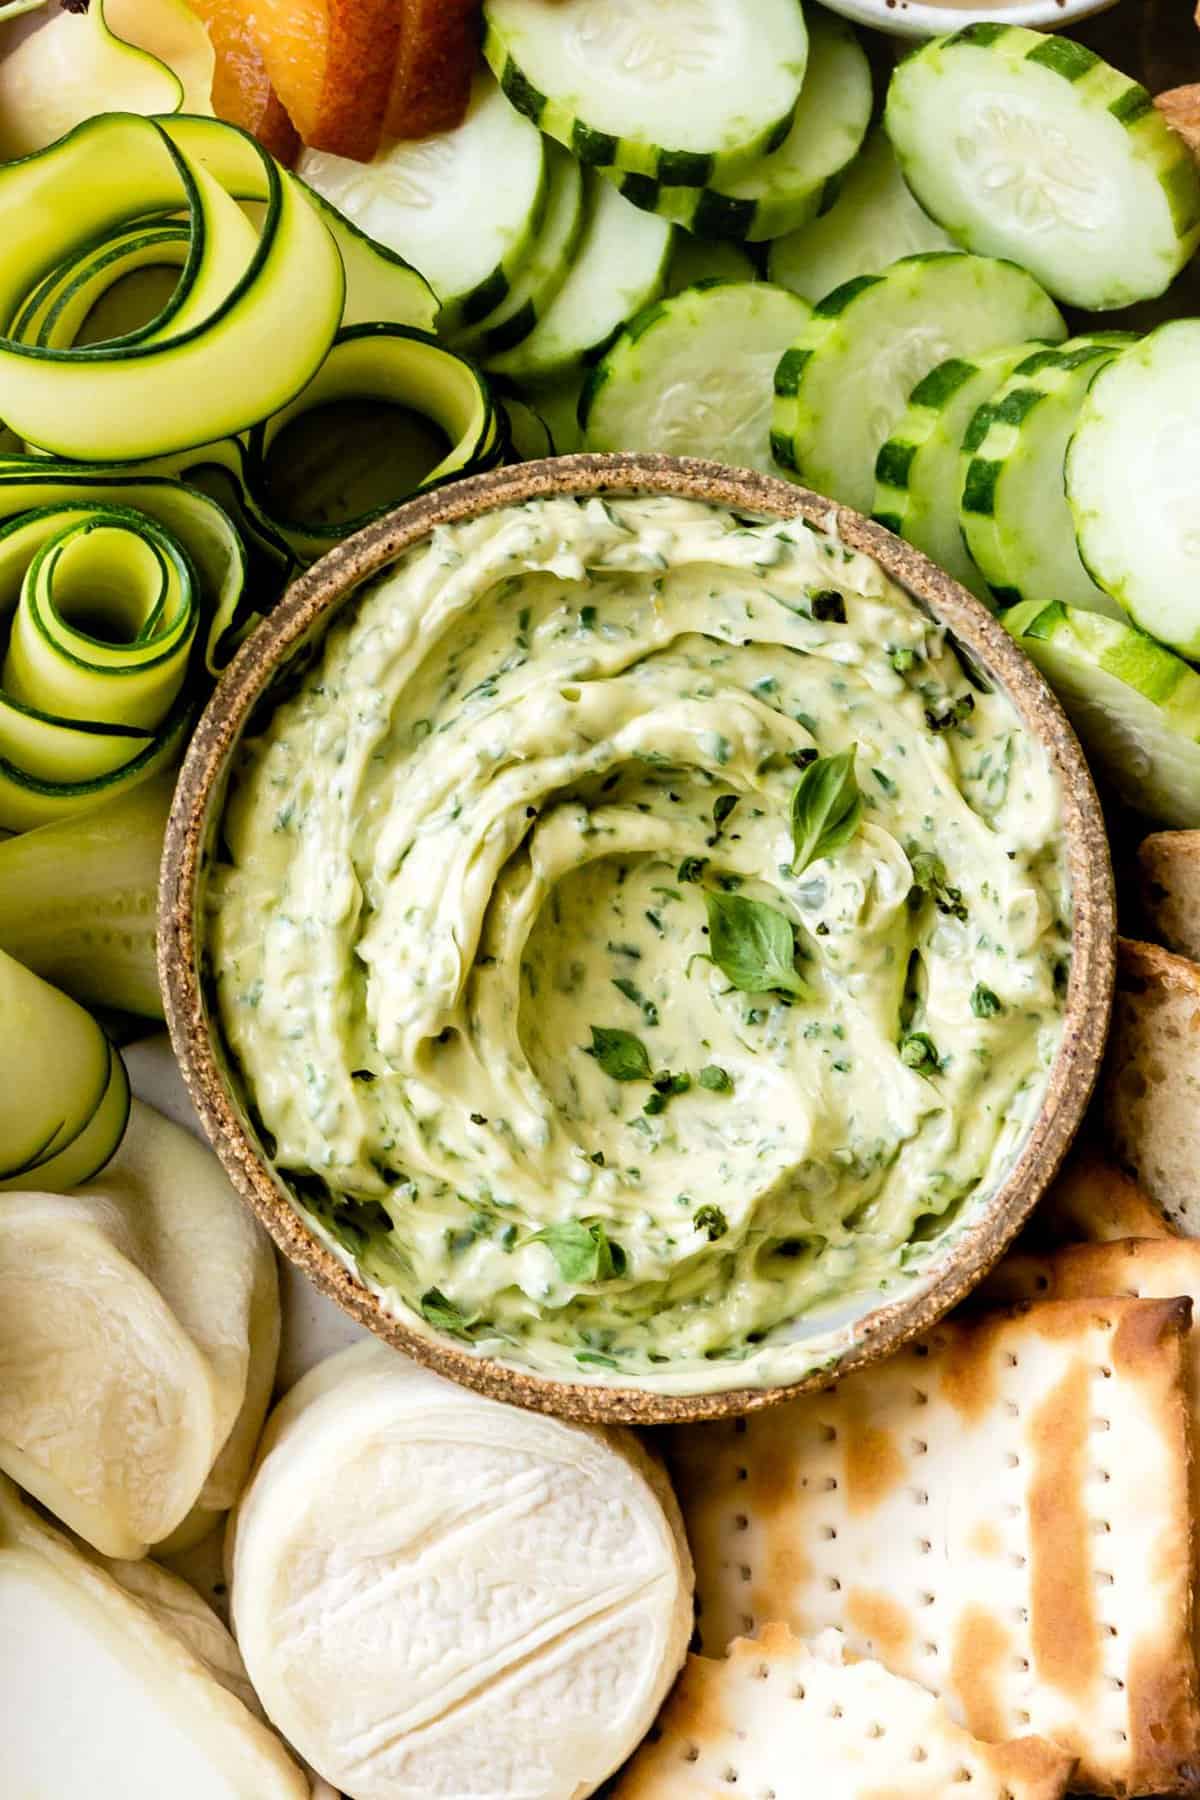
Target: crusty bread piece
(784,1717)
(1151,1081)
(1169,866)
(1000,1512)
(1091,1201)
(436,55)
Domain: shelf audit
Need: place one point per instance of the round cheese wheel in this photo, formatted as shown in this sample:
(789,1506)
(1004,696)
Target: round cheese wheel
(436,1594)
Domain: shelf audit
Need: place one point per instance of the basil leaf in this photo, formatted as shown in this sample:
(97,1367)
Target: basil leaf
(751,943)
(826,809)
(985,1004)
(620,1054)
(712,1220)
(444,1314)
(918,1051)
(583,1252)
(716,1079)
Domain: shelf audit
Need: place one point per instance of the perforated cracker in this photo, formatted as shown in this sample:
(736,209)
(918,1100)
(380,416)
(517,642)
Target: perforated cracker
(1000,1512)
(781,1717)
(1092,1201)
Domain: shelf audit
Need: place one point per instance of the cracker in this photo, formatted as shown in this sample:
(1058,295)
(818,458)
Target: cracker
(1092,1201)
(1151,1080)
(779,1708)
(1000,1512)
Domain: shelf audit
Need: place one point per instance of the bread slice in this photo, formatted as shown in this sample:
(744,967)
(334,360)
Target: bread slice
(1000,1512)
(1169,867)
(783,1717)
(1092,1201)
(1151,1081)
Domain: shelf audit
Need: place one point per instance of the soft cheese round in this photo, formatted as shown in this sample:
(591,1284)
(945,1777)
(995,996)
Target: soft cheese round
(436,1594)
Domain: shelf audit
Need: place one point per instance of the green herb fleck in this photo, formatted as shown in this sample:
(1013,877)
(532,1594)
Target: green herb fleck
(582,1249)
(929,878)
(634,994)
(918,1051)
(442,1313)
(716,1079)
(826,809)
(902,660)
(621,1055)
(712,1220)
(691,868)
(722,808)
(985,1004)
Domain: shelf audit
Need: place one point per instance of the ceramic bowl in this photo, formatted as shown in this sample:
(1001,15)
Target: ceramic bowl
(302,615)
(920,19)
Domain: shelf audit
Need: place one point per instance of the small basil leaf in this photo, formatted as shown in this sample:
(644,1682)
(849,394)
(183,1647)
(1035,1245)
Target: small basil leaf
(583,1253)
(716,1079)
(620,1054)
(443,1313)
(985,1004)
(826,809)
(712,1220)
(751,943)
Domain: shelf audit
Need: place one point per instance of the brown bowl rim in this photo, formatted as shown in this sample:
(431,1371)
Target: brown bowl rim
(329,584)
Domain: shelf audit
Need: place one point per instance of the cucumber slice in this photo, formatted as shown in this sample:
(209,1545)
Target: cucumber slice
(93,1147)
(784,189)
(685,91)
(695,259)
(56,1071)
(917,474)
(1135,497)
(1013,509)
(669,384)
(873,221)
(546,267)
(557,402)
(528,433)
(841,387)
(78,899)
(214,360)
(380,285)
(463,206)
(1134,703)
(620,266)
(403,369)
(1032,147)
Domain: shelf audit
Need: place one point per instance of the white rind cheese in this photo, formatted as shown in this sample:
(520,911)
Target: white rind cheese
(438,1595)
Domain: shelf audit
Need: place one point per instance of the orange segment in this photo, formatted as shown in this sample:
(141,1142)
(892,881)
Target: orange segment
(439,47)
(331,63)
(242,91)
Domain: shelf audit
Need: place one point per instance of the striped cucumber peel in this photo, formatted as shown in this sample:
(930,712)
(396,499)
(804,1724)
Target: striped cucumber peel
(464,206)
(686,92)
(78,899)
(380,284)
(408,368)
(58,1078)
(784,189)
(1134,703)
(872,222)
(214,360)
(1012,504)
(546,267)
(917,477)
(141,56)
(1133,483)
(843,384)
(620,266)
(667,384)
(1033,147)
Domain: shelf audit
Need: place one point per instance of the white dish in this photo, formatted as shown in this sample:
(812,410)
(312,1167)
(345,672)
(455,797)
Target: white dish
(919,19)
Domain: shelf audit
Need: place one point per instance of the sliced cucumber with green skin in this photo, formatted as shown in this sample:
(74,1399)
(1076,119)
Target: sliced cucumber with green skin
(620,266)
(1133,483)
(95,1145)
(917,472)
(784,189)
(1031,146)
(214,360)
(78,899)
(403,368)
(464,206)
(669,384)
(529,435)
(1134,703)
(684,91)
(380,284)
(557,402)
(873,221)
(695,259)
(1013,508)
(546,267)
(58,1070)
(846,380)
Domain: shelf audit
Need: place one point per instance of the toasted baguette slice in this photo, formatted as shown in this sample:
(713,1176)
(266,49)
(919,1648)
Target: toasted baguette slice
(1169,865)
(1001,1512)
(435,61)
(1092,1201)
(1151,1083)
(784,1717)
